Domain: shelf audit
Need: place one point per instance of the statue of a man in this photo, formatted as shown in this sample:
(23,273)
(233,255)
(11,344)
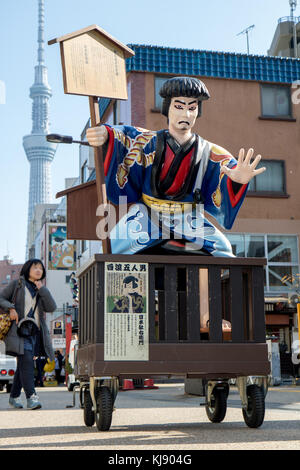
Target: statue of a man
(173,175)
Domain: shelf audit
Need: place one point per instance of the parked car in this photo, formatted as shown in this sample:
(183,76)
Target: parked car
(8,366)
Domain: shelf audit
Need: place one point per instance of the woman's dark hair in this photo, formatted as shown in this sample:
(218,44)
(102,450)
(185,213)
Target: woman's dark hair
(26,268)
(183,86)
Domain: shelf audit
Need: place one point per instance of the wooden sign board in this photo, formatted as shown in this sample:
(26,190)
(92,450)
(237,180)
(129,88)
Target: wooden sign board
(93,63)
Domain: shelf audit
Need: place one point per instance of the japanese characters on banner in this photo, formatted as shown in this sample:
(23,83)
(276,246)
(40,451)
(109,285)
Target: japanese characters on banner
(126,334)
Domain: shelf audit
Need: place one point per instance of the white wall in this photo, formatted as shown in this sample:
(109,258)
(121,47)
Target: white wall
(60,290)
(124,115)
(55,278)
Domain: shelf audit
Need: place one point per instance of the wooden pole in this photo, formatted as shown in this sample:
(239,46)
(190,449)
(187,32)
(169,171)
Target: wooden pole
(99,167)
(298,315)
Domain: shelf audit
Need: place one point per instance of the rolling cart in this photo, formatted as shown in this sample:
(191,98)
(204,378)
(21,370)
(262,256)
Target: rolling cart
(178,343)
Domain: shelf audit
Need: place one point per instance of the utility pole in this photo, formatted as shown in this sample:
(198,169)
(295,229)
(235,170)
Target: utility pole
(246,31)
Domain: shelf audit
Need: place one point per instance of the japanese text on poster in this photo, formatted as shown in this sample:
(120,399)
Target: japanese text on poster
(126,336)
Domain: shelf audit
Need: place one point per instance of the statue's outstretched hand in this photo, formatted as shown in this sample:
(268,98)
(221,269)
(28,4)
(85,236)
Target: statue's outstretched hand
(245,170)
(97,136)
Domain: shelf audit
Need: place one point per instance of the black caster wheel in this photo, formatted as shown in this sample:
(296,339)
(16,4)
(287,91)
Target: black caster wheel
(88,413)
(104,408)
(255,412)
(217,410)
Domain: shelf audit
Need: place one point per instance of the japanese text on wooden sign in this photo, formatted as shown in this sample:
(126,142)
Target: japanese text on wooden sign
(126,329)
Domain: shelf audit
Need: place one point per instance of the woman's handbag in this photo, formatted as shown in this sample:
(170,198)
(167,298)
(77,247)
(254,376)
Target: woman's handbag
(5,321)
(5,324)
(28,326)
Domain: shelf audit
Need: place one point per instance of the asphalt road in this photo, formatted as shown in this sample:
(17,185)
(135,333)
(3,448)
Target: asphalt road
(161,419)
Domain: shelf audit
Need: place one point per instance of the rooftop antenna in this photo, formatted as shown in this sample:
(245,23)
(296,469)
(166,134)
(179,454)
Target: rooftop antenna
(246,31)
(293,5)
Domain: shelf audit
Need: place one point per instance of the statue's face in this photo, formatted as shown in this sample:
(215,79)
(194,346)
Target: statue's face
(183,112)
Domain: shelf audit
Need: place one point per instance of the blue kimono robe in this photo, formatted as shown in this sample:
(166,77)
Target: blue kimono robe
(153,217)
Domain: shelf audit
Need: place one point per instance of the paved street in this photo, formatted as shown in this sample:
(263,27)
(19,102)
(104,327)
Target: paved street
(162,419)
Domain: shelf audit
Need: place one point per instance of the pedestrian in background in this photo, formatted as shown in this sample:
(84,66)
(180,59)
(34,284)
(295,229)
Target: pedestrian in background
(58,366)
(40,363)
(32,300)
(61,365)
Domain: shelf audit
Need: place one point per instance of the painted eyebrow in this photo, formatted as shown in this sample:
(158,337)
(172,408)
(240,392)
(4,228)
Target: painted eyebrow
(183,102)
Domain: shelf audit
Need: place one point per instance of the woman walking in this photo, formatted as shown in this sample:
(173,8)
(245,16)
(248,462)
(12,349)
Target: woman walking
(32,299)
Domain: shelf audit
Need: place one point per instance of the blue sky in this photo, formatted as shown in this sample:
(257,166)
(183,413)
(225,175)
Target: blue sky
(196,24)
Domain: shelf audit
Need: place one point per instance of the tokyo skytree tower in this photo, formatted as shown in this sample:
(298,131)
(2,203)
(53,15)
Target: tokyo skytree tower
(39,152)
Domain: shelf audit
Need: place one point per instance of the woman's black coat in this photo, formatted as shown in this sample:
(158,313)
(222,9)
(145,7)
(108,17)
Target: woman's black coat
(13,342)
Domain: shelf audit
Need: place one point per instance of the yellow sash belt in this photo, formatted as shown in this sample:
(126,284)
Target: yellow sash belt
(165,206)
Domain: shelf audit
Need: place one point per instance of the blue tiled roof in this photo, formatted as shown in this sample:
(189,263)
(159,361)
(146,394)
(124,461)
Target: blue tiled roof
(103,104)
(213,64)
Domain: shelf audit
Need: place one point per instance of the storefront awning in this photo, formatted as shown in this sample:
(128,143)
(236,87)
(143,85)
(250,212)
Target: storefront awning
(279,320)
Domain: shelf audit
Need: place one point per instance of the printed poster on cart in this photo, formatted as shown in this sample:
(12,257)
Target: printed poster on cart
(126,325)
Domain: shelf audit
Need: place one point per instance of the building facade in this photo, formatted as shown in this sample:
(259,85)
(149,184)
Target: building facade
(8,271)
(58,255)
(286,34)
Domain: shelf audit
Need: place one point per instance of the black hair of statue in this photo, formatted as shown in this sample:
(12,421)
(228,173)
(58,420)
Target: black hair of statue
(190,87)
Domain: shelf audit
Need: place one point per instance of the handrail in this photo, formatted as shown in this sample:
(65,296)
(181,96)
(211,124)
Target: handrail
(292,19)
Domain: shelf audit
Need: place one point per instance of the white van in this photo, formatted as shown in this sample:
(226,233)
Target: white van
(71,381)
(8,367)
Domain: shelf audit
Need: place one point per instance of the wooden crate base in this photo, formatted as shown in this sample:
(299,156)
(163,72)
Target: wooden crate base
(223,360)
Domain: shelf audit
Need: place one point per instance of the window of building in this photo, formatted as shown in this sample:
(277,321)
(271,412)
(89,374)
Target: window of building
(276,101)
(281,252)
(158,83)
(84,172)
(283,260)
(254,246)
(270,181)
(238,244)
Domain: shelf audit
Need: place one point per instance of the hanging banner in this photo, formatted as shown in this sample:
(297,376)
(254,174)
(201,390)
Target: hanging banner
(126,335)
(61,252)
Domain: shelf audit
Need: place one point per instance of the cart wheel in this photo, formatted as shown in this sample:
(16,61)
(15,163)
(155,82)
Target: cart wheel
(217,410)
(88,413)
(104,408)
(255,412)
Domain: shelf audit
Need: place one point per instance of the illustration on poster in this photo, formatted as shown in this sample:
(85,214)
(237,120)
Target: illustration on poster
(61,250)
